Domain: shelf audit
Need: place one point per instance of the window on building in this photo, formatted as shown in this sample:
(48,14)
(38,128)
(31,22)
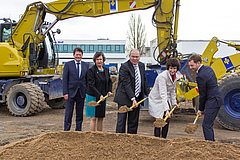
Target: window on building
(108,47)
(100,47)
(65,48)
(113,48)
(83,47)
(122,49)
(91,48)
(117,48)
(56,47)
(74,46)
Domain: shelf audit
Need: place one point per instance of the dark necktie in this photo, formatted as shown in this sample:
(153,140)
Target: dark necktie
(78,69)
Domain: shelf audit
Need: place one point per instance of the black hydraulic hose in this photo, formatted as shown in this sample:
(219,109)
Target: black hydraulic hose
(159,6)
(154,56)
(166,12)
(11,32)
(55,50)
(64,9)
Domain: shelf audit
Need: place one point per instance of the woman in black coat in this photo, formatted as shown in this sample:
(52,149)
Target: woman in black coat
(99,85)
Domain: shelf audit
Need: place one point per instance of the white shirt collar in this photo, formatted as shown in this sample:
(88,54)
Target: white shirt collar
(199,67)
(135,65)
(77,61)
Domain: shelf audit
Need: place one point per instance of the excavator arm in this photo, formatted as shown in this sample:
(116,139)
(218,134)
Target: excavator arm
(224,64)
(28,34)
(162,18)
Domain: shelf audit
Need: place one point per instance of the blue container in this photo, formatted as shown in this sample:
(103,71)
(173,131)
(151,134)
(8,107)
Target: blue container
(151,76)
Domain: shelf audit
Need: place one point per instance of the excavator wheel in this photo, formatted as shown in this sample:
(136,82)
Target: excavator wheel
(41,98)
(24,99)
(229,114)
(58,103)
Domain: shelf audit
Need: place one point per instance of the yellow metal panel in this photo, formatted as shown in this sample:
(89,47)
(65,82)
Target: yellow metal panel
(208,53)
(44,71)
(235,59)
(96,8)
(219,68)
(60,69)
(191,94)
(11,61)
(192,84)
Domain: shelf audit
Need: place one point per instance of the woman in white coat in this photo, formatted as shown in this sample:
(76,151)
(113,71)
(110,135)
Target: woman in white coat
(163,94)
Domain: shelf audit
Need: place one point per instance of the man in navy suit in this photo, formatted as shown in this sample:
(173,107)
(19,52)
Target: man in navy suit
(210,98)
(74,88)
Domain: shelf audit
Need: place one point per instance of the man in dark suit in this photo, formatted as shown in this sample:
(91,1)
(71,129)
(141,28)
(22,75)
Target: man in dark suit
(210,98)
(132,86)
(74,88)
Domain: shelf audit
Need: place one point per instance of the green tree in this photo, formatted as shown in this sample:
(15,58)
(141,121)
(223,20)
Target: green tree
(136,36)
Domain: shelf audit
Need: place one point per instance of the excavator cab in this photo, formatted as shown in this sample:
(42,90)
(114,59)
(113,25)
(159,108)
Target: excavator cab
(48,54)
(47,60)
(5,29)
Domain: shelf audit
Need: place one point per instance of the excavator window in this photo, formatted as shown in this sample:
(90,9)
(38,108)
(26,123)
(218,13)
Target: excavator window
(5,31)
(6,34)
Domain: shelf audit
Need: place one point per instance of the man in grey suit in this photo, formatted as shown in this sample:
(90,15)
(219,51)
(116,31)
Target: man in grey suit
(74,88)
(210,98)
(132,85)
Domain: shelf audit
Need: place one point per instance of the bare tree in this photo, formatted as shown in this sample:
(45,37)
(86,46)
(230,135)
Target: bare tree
(136,36)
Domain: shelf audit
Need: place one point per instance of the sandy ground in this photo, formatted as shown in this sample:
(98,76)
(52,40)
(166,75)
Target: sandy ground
(104,145)
(13,129)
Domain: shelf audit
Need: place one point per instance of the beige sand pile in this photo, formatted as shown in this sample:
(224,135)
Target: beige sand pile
(159,123)
(92,103)
(124,109)
(98,145)
(191,128)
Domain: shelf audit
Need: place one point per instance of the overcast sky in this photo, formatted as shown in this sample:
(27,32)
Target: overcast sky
(199,20)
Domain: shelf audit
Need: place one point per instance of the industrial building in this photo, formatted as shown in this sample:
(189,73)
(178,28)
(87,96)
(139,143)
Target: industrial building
(114,50)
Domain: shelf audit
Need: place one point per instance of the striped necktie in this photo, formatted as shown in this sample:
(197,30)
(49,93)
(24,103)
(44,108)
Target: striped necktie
(137,85)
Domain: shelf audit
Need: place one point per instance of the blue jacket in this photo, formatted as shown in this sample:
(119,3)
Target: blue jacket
(71,81)
(209,93)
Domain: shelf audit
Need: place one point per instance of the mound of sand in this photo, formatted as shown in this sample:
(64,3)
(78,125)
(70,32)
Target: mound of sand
(98,145)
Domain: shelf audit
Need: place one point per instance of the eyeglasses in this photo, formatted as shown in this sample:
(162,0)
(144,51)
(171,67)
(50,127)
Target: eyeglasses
(135,56)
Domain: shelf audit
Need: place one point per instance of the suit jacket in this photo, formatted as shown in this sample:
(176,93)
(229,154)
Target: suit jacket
(71,82)
(95,86)
(163,94)
(126,84)
(209,93)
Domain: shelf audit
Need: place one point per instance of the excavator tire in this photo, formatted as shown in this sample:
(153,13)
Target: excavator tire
(41,98)
(58,103)
(25,99)
(229,114)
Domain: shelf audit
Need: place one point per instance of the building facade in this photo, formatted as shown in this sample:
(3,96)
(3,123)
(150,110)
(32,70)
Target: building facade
(197,46)
(114,50)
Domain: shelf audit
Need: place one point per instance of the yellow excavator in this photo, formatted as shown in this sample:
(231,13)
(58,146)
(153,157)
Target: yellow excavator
(27,69)
(22,75)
